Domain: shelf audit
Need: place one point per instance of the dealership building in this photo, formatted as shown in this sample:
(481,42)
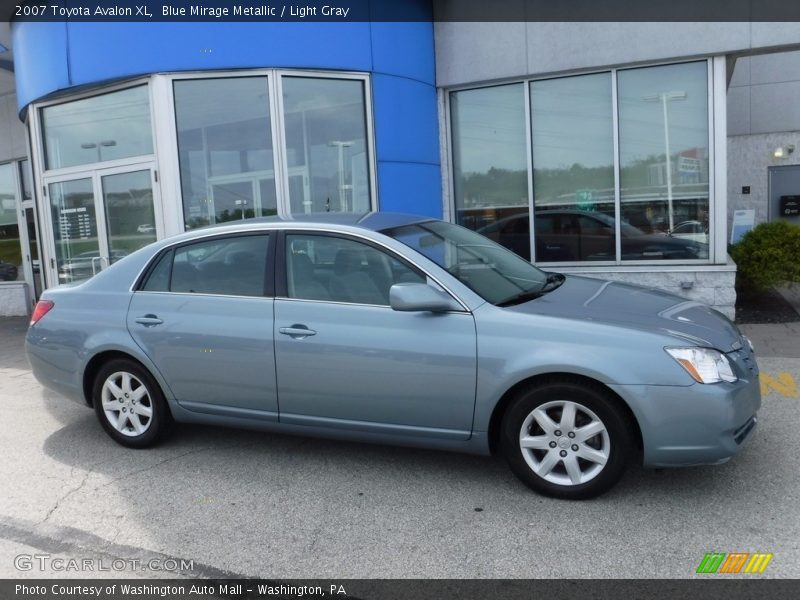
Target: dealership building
(624,151)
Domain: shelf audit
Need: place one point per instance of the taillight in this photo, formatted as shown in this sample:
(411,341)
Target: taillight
(42,308)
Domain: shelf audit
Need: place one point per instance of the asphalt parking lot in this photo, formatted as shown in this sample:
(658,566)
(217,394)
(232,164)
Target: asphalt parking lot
(249,504)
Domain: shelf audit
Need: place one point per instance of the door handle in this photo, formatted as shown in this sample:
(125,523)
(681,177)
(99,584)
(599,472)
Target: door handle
(149,320)
(297,331)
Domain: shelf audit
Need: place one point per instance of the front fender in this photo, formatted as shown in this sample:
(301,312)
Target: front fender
(513,348)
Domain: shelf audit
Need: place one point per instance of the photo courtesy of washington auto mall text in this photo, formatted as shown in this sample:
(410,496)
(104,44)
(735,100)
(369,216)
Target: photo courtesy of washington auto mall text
(206,590)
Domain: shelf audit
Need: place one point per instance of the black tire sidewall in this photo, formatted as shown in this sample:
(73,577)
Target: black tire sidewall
(161,419)
(599,402)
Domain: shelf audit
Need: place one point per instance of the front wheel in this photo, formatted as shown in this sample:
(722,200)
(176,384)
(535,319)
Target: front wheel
(565,439)
(129,404)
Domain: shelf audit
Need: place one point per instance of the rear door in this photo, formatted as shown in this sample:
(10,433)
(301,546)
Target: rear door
(204,316)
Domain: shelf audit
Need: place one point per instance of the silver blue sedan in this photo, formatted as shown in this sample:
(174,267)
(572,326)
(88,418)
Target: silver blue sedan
(396,329)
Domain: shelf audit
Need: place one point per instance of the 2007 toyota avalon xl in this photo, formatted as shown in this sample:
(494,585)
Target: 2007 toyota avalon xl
(405,330)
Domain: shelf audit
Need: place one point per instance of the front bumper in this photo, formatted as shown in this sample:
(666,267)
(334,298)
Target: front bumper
(696,424)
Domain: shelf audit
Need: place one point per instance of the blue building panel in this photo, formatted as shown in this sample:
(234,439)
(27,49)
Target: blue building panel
(404,49)
(410,187)
(406,120)
(40,60)
(140,48)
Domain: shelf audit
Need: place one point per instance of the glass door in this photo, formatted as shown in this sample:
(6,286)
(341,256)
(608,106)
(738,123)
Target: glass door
(129,211)
(99,217)
(76,237)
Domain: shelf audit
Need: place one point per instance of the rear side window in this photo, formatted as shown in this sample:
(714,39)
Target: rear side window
(158,280)
(233,266)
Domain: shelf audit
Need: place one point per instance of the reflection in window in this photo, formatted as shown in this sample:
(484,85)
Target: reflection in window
(225,149)
(664,148)
(10,249)
(107,127)
(573,171)
(326,132)
(490,160)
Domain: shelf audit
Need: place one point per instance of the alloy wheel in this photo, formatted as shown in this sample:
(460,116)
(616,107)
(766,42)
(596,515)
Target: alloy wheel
(564,443)
(127,404)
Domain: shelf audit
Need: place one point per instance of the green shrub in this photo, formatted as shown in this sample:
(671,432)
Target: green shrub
(768,255)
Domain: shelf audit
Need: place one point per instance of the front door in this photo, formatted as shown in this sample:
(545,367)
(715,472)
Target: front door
(345,359)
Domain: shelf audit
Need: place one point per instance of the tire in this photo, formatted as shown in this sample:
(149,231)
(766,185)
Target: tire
(132,417)
(573,456)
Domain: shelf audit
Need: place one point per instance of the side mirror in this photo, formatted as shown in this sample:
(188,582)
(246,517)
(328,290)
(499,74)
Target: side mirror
(417,297)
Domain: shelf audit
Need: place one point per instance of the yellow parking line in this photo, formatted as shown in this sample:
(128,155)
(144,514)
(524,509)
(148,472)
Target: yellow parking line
(783,383)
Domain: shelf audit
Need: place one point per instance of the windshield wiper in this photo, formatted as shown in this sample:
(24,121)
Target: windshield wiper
(520,298)
(553,281)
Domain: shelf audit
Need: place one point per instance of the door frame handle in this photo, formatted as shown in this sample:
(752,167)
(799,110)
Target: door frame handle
(148,320)
(297,331)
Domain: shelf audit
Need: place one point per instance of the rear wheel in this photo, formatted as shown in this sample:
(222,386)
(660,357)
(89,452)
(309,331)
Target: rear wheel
(565,439)
(129,404)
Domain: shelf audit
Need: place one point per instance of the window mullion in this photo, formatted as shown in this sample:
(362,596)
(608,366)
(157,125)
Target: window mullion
(279,143)
(617,203)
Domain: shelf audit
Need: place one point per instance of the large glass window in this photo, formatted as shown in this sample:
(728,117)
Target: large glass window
(326,144)
(225,149)
(227,154)
(10,249)
(101,128)
(662,160)
(663,145)
(490,162)
(573,168)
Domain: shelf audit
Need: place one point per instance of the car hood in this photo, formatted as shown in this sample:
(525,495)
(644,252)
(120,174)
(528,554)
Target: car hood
(621,304)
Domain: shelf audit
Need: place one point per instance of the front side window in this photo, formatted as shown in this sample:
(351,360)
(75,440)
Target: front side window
(337,269)
(101,128)
(232,266)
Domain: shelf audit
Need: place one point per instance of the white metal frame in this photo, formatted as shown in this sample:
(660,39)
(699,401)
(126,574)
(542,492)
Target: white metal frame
(717,131)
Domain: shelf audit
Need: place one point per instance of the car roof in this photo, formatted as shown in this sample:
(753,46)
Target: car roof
(374,221)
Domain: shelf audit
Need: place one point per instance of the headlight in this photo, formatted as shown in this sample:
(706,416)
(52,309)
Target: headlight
(704,364)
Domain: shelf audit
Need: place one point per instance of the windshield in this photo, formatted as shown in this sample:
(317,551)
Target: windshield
(491,271)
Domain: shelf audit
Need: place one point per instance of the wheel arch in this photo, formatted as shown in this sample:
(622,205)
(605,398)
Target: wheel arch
(541,379)
(101,358)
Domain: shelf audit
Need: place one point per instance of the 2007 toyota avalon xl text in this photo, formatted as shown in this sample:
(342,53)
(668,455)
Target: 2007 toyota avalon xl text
(398,329)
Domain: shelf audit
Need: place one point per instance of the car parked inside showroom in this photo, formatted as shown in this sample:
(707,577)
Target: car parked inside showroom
(398,329)
(8,272)
(563,235)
